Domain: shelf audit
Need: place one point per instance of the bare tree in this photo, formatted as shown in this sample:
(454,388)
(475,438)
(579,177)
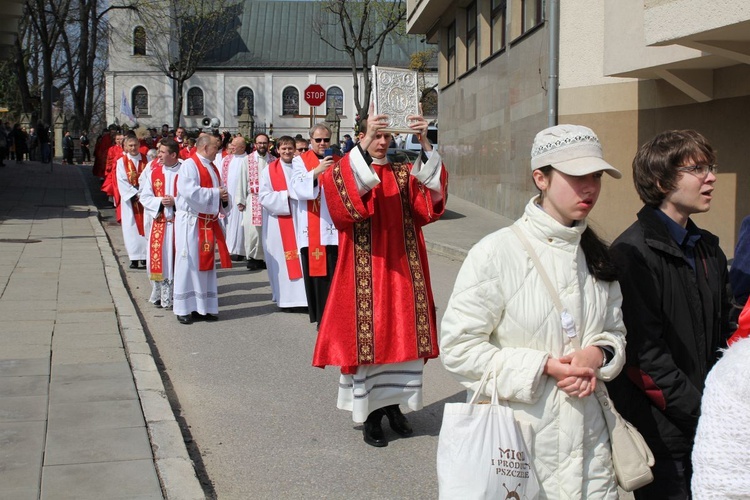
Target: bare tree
(362,29)
(180,34)
(420,62)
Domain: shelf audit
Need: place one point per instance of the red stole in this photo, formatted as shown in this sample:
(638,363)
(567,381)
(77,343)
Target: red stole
(286,225)
(158,227)
(316,251)
(209,229)
(133,174)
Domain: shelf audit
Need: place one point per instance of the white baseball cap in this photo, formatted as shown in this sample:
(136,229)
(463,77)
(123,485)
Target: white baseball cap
(571,149)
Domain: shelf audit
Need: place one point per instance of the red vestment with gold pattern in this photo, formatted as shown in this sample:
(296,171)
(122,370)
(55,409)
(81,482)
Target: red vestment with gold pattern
(380,307)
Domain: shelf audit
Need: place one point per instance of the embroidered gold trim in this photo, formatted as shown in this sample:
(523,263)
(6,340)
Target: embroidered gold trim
(362,236)
(338,179)
(421,305)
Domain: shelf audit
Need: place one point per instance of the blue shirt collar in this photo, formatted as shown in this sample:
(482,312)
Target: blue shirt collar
(685,237)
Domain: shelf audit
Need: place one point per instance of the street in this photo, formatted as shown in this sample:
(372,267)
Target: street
(263,420)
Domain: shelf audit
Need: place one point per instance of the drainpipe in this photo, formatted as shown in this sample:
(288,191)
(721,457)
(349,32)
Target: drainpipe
(553,81)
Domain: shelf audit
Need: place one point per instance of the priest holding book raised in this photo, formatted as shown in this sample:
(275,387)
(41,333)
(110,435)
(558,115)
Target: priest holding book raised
(383,327)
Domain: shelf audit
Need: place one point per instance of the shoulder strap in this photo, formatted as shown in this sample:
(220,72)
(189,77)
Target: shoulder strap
(554,295)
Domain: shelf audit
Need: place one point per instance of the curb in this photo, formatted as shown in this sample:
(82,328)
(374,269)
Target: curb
(174,467)
(445,250)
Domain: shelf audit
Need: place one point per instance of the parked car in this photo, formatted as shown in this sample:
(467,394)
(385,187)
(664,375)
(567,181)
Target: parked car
(402,155)
(411,141)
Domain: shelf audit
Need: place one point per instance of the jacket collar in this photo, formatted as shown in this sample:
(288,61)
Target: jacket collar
(543,226)
(657,236)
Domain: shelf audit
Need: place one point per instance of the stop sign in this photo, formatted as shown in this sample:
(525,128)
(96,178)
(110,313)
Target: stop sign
(315,95)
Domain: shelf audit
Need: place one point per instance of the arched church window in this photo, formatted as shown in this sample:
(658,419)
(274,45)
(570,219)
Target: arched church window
(139,41)
(290,98)
(335,98)
(243,95)
(140,101)
(195,102)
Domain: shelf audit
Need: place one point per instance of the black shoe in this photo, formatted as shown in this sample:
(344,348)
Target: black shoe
(157,304)
(196,316)
(255,264)
(185,320)
(143,264)
(210,317)
(398,421)
(372,430)
(133,264)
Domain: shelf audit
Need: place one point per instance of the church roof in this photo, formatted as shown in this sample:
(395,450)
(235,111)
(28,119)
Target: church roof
(276,34)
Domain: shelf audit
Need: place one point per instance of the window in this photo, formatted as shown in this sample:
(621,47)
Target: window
(497,25)
(451,51)
(139,98)
(430,103)
(195,102)
(245,94)
(471,36)
(532,14)
(335,98)
(139,41)
(290,98)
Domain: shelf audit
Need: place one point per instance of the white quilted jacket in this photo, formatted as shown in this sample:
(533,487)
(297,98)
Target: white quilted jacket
(501,314)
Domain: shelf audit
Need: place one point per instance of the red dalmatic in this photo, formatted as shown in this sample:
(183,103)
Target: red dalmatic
(380,307)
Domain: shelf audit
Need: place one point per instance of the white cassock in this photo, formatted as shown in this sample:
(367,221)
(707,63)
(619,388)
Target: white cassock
(285,292)
(194,290)
(306,188)
(135,244)
(235,232)
(247,195)
(152,205)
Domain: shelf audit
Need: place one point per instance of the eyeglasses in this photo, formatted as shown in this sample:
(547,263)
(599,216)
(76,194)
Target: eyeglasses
(322,139)
(700,171)
(302,150)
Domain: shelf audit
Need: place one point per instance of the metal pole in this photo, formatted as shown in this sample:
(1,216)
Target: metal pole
(553,81)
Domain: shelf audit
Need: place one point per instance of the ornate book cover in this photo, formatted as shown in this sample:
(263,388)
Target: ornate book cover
(395,94)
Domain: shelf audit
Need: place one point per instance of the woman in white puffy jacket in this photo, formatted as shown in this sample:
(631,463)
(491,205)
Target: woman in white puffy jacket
(502,316)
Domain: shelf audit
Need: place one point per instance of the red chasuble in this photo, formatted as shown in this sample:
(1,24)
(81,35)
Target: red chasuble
(286,225)
(384,311)
(209,230)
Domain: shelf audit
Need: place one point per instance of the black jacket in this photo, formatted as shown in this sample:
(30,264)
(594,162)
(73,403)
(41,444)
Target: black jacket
(673,332)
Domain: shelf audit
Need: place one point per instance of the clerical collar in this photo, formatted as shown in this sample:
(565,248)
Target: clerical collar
(176,164)
(203,158)
(241,155)
(133,158)
(381,161)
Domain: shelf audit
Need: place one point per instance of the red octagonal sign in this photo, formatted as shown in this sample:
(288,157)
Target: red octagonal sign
(315,95)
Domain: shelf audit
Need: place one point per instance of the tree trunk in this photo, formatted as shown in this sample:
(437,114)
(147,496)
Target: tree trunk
(177,103)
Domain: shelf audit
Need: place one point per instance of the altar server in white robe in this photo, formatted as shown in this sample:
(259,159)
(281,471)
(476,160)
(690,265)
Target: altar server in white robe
(158,192)
(247,201)
(279,238)
(232,167)
(200,200)
(127,172)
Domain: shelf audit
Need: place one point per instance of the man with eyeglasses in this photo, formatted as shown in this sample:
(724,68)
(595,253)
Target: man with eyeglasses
(249,204)
(300,146)
(317,236)
(673,277)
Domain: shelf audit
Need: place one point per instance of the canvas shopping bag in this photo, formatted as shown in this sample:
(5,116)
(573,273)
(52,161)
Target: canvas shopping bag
(481,453)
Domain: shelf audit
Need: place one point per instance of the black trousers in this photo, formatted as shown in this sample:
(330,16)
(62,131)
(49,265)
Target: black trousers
(85,154)
(317,287)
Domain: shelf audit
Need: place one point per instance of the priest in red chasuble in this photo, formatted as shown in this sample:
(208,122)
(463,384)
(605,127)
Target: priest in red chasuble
(382,328)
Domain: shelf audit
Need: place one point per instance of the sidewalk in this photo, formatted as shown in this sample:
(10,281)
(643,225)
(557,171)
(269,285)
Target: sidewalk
(78,385)
(83,411)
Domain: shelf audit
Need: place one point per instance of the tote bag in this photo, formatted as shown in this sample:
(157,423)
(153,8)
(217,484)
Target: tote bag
(481,452)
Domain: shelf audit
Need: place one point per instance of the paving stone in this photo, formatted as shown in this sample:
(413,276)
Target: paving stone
(29,385)
(134,479)
(111,389)
(95,415)
(84,317)
(36,325)
(20,367)
(62,356)
(178,476)
(24,351)
(20,493)
(21,454)
(82,445)
(155,406)
(83,341)
(148,380)
(99,327)
(26,338)
(90,371)
(23,409)
(167,440)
